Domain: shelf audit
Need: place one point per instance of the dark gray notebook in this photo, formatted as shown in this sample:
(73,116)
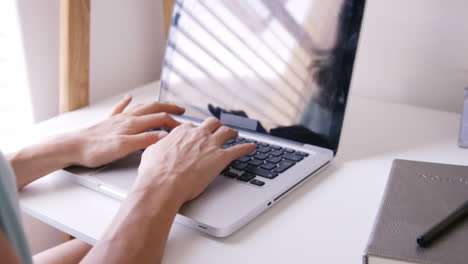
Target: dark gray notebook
(418,195)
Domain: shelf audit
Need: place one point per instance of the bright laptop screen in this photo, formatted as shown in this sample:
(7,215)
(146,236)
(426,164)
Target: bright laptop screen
(281,67)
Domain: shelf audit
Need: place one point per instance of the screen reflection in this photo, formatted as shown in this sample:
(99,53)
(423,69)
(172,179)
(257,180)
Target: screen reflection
(274,66)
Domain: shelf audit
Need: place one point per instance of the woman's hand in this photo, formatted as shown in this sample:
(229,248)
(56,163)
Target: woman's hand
(114,138)
(188,159)
(123,132)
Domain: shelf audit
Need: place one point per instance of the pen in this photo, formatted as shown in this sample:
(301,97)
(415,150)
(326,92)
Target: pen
(443,226)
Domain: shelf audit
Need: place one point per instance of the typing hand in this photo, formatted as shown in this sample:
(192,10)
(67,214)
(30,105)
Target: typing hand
(188,159)
(123,132)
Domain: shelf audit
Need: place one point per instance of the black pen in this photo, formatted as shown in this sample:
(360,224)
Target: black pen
(443,226)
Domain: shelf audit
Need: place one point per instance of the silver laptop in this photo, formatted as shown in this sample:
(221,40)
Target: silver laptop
(279,72)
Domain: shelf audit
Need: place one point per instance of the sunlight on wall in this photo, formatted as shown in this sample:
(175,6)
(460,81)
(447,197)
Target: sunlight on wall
(15,104)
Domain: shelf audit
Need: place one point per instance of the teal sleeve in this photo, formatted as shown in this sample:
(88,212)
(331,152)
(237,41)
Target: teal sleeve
(10,221)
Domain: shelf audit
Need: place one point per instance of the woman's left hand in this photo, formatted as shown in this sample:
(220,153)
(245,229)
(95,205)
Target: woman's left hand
(123,132)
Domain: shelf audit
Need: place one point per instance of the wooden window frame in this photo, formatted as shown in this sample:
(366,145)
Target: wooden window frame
(74,51)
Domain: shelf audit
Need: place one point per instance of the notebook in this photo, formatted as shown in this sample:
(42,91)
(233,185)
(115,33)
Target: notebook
(418,195)
(463,135)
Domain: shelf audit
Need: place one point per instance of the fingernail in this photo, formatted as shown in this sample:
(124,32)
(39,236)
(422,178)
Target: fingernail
(162,134)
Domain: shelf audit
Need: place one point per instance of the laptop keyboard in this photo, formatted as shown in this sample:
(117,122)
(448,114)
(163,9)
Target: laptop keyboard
(267,161)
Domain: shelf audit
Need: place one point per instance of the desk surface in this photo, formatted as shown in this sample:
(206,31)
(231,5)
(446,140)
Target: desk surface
(327,220)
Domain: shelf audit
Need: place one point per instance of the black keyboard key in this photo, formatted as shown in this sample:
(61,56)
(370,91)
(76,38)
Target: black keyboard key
(246,177)
(262,172)
(275,147)
(252,153)
(274,159)
(303,154)
(239,165)
(261,156)
(244,159)
(256,162)
(226,145)
(240,139)
(257,182)
(264,149)
(292,157)
(268,166)
(250,141)
(288,150)
(230,174)
(276,153)
(263,144)
(284,165)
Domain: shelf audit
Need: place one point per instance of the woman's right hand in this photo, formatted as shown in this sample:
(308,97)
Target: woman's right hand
(188,159)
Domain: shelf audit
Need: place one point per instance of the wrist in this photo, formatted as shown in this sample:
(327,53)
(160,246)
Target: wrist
(41,159)
(159,188)
(159,199)
(67,149)
(58,149)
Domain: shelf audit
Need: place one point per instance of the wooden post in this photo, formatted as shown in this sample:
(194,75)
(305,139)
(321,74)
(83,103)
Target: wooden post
(168,6)
(74,54)
(74,58)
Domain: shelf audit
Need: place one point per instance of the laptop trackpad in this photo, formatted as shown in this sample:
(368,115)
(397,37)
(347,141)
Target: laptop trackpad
(120,174)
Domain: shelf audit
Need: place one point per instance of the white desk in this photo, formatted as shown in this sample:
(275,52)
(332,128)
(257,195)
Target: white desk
(328,220)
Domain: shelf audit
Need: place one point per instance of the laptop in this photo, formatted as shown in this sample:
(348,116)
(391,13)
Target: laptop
(279,72)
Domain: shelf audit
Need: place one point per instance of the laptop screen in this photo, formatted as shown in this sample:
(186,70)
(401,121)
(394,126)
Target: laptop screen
(281,67)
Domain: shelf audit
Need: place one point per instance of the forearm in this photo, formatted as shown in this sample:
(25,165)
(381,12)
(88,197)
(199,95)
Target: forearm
(41,159)
(140,229)
(70,252)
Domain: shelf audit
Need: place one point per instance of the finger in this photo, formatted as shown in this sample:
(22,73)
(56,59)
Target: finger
(153,121)
(157,107)
(137,106)
(211,124)
(240,150)
(183,127)
(141,141)
(120,107)
(189,125)
(224,134)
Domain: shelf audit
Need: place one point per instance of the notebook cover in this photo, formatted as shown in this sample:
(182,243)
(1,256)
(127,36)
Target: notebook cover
(418,195)
(463,135)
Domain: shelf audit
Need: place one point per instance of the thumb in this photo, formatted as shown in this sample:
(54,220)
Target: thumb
(120,107)
(144,140)
(240,150)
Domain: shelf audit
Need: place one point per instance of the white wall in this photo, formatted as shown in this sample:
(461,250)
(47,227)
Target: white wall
(414,52)
(127,45)
(39,22)
(127,41)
